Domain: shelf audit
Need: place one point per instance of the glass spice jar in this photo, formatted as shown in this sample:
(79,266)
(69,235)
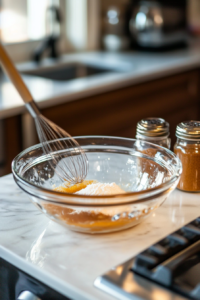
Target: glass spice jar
(187,148)
(154,130)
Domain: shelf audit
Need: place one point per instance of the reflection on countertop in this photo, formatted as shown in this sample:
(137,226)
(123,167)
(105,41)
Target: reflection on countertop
(126,69)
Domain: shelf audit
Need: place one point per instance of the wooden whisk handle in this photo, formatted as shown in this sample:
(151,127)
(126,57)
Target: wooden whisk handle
(14,75)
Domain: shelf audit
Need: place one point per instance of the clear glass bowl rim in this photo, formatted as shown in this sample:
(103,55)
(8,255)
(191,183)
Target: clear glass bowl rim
(60,197)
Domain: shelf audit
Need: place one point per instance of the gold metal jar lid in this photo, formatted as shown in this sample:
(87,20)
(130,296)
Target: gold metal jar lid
(152,127)
(188,130)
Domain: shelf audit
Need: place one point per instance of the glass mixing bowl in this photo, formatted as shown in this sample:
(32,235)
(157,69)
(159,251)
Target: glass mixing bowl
(147,172)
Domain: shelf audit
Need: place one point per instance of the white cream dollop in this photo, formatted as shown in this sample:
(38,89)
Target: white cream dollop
(101,189)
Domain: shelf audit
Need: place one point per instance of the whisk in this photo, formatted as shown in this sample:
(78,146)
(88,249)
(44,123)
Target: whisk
(68,159)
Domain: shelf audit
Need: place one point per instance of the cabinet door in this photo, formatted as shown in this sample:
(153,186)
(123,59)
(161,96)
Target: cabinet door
(117,112)
(11,142)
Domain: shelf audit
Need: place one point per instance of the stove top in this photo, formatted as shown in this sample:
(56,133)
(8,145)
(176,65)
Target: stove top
(169,269)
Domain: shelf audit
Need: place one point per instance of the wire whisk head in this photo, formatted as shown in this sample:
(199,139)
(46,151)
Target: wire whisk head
(68,159)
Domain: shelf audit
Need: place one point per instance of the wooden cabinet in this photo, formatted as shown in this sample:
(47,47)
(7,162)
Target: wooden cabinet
(12,142)
(174,98)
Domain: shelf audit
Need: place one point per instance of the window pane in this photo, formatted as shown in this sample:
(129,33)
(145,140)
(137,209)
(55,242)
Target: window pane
(36,15)
(13,20)
(22,20)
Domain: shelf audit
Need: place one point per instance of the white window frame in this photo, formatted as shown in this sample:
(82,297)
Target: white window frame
(22,51)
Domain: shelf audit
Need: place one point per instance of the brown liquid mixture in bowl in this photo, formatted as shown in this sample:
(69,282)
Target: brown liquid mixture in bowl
(95,221)
(92,219)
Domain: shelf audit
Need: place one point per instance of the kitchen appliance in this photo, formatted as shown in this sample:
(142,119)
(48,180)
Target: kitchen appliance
(158,24)
(114,26)
(169,269)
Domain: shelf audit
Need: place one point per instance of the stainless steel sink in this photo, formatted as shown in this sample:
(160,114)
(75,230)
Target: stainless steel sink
(67,71)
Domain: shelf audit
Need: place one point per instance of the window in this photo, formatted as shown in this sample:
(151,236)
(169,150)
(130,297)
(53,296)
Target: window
(24,20)
(24,23)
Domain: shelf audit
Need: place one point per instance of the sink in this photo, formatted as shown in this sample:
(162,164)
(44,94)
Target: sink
(68,71)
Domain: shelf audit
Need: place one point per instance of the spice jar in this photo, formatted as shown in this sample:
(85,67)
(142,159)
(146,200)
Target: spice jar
(187,148)
(154,130)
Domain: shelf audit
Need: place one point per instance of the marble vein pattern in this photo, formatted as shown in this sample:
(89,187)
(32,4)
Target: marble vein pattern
(76,259)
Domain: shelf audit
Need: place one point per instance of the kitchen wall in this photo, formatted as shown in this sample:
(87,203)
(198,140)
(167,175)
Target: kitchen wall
(193,14)
(114,30)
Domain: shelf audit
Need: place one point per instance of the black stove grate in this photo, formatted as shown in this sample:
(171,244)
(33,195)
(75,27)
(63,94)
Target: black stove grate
(174,261)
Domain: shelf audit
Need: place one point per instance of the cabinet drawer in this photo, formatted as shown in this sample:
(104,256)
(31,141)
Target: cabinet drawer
(113,111)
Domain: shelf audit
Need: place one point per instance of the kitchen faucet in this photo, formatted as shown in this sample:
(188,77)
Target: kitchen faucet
(49,44)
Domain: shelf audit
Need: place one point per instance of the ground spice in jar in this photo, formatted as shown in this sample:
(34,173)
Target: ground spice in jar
(190,158)
(187,148)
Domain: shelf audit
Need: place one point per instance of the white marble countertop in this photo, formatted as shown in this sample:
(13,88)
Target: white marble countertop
(129,68)
(67,261)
